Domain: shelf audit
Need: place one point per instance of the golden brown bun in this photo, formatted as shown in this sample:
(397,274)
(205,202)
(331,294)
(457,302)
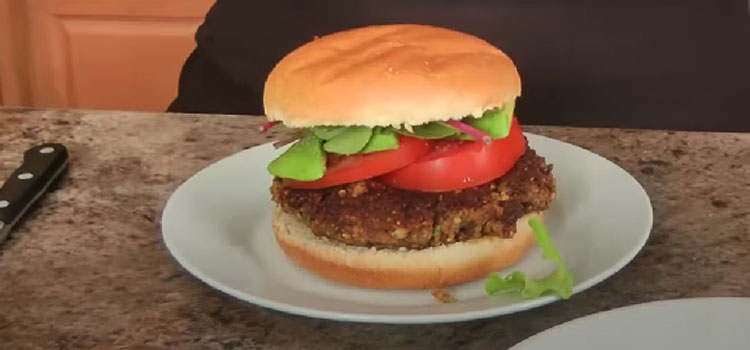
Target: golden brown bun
(389,75)
(410,269)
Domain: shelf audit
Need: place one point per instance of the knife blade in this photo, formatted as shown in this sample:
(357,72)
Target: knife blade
(42,165)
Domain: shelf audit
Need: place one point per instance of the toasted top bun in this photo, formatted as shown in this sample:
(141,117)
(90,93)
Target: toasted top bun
(433,267)
(389,75)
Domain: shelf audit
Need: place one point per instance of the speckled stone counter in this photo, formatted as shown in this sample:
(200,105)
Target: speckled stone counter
(88,269)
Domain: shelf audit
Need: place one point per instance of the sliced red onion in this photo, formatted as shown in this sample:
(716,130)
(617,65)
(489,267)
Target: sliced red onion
(268,125)
(471,131)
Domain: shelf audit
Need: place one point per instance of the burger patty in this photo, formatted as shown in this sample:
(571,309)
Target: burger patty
(369,213)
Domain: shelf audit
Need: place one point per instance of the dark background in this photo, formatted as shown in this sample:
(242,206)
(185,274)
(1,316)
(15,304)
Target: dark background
(666,64)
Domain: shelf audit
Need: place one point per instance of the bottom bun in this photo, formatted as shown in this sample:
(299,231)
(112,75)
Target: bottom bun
(433,267)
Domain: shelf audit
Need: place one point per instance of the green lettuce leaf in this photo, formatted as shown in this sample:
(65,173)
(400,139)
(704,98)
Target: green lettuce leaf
(382,140)
(559,282)
(349,141)
(304,161)
(327,132)
(434,130)
(496,122)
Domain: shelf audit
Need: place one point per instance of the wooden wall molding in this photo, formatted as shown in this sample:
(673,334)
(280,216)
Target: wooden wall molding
(108,54)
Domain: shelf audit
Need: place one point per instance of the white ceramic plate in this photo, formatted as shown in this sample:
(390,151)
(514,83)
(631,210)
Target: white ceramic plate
(217,225)
(683,324)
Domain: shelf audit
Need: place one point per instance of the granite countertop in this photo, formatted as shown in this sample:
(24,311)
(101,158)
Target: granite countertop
(87,268)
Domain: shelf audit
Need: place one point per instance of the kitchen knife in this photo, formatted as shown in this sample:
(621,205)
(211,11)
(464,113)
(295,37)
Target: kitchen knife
(42,165)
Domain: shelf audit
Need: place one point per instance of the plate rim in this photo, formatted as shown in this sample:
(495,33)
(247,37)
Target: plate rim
(406,318)
(624,309)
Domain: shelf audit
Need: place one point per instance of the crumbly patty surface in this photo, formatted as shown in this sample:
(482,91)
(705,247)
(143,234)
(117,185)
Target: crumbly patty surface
(369,213)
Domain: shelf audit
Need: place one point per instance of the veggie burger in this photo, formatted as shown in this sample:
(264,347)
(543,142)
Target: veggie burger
(411,170)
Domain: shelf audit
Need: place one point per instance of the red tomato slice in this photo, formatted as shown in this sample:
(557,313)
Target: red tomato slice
(345,169)
(454,165)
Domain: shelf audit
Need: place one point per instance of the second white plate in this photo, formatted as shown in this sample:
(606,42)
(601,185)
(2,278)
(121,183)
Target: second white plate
(683,324)
(217,225)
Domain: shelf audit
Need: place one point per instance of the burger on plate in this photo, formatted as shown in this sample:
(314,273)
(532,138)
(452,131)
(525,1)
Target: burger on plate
(412,170)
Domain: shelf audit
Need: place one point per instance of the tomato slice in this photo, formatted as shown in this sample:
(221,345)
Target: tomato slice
(454,164)
(345,169)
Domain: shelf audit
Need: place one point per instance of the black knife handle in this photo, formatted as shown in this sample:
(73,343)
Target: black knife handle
(41,166)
